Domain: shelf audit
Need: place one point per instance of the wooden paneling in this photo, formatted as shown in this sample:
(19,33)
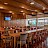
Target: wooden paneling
(21,16)
(1,20)
(14,17)
(16,5)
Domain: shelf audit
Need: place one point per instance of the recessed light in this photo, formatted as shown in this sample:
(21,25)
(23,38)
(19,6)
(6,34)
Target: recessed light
(36,10)
(4,27)
(32,12)
(32,3)
(10,11)
(21,11)
(22,7)
(11,16)
(1,7)
(6,3)
(28,9)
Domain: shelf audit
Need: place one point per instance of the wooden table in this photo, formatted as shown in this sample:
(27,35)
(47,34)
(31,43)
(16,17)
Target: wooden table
(1,31)
(15,35)
(18,34)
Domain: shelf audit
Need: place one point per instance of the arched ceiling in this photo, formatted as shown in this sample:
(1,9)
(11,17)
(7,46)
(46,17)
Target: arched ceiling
(17,6)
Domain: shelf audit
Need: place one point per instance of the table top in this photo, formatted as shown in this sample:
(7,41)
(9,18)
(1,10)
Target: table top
(15,34)
(18,34)
(2,30)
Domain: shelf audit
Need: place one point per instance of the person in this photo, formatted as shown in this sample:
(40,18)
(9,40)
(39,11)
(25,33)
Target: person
(0,36)
(18,45)
(30,44)
(24,46)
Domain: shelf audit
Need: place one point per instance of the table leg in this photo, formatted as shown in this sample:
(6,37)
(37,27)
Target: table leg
(14,42)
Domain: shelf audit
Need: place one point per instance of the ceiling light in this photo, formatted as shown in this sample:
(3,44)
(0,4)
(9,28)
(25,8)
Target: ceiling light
(32,12)
(22,7)
(32,3)
(22,11)
(36,10)
(28,9)
(10,11)
(1,7)
(11,16)
(6,3)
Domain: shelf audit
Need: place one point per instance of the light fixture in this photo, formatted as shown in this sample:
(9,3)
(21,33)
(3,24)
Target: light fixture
(28,9)
(32,3)
(11,16)
(10,11)
(5,3)
(32,12)
(36,10)
(22,7)
(21,11)
(1,7)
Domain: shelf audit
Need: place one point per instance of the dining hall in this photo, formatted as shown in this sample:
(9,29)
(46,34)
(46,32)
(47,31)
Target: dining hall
(23,23)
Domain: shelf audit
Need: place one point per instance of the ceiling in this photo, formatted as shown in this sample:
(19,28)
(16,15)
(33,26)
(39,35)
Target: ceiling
(18,6)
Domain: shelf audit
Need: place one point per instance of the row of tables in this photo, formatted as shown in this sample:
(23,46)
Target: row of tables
(18,34)
(26,32)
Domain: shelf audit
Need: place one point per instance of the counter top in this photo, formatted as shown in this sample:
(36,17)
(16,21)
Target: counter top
(18,34)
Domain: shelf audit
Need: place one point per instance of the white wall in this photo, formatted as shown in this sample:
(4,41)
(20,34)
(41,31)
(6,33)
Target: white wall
(19,22)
